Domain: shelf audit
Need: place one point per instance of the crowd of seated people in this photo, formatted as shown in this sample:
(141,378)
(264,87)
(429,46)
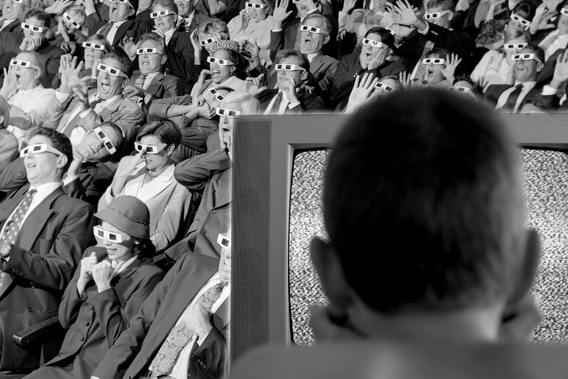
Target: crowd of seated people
(103,101)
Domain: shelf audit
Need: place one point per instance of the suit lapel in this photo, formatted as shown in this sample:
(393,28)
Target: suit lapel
(156,186)
(156,83)
(316,63)
(121,31)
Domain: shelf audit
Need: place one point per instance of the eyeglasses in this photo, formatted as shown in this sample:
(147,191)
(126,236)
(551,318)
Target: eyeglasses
(149,149)
(434,15)
(227,112)
(163,13)
(288,67)
(121,1)
(207,41)
(254,5)
(33,28)
(18,1)
(433,61)
(73,23)
(25,64)
(216,93)
(384,87)
(564,11)
(148,50)
(524,57)
(111,70)
(106,141)
(372,42)
(311,29)
(220,61)
(520,20)
(38,149)
(515,46)
(224,241)
(460,89)
(95,46)
(106,235)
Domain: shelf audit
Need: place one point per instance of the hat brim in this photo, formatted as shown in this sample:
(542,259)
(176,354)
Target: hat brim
(124,224)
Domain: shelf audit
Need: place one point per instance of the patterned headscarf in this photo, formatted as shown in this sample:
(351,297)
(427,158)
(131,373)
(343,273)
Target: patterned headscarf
(222,45)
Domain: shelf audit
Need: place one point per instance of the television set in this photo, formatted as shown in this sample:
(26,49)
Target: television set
(267,152)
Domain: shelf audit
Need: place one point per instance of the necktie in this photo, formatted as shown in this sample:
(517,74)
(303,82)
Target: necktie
(512,99)
(106,29)
(276,104)
(13,227)
(139,83)
(180,335)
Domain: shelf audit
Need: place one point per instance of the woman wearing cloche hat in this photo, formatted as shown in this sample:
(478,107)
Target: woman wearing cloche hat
(107,290)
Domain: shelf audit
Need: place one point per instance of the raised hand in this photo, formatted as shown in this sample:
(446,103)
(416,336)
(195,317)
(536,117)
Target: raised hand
(129,47)
(250,51)
(405,79)
(348,5)
(404,13)
(256,81)
(68,47)
(9,84)
(361,92)
(206,111)
(85,274)
(102,274)
(75,164)
(288,87)
(198,86)
(280,13)
(378,60)
(451,63)
(58,6)
(560,70)
(70,73)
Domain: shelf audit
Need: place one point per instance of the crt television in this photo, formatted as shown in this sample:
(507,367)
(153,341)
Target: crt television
(275,154)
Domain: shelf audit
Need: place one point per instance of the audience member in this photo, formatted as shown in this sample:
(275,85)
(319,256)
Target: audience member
(120,23)
(290,94)
(189,18)
(8,141)
(182,327)
(149,176)
(42,235)
(113,280)
(11,11)
(90,107)
(94,48)
(210,173)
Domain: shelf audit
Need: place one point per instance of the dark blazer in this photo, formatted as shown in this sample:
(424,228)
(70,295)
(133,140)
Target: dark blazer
(42,262)
(133,352)
(209,173)
(180,58)
(96,320)
(308,102)
(493,92)
(198,19)
(13,27)
(129,26)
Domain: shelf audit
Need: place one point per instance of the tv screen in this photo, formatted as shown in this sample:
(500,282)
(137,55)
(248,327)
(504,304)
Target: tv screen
(279,163)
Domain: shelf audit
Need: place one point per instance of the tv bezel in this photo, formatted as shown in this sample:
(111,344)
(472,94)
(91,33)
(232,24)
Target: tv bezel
(263,151)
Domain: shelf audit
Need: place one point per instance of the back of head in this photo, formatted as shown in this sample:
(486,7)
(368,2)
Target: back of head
(423,203)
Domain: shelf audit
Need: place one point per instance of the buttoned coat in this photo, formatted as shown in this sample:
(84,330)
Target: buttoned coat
(96,320)
(133,352)
(43,259)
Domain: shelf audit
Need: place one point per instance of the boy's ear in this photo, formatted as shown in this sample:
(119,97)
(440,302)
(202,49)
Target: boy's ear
(521,314)
(330,272)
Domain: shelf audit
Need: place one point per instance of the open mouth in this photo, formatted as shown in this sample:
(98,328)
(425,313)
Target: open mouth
(30,166)
(105,87)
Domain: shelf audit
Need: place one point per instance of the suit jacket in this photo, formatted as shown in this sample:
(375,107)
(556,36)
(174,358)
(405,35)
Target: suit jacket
(180,58)
(13,27)
(133,352)
(495,91)
(8,149)
(166,199)
(198,19)
(123,112)
(308,102)
(129,26)
(162,86)
(42,261)
(95,320)
(210,173)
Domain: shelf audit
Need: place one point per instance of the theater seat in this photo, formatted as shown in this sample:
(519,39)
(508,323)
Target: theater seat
(48,333)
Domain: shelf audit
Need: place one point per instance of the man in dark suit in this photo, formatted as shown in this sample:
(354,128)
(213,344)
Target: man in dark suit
(141,351)
(89,108)
(511,98)
(121,23)
(42,236)
(149,82)
(289,95)
(189,18)
(33,38)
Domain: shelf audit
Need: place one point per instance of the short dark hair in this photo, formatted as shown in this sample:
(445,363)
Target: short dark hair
(120,134)
(525,9)
(386,36)
(58,141)
(40,15)
(537,50)
(287,53)
(167,131)
(121,56)
(427,212)
(153,37)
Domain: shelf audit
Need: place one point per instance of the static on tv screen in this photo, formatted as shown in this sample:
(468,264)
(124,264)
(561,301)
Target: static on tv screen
(546,187)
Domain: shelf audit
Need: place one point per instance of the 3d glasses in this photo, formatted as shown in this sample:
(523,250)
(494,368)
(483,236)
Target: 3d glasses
(106,235)
(38,149)
(106,141)
(433,61)
(111,70)
(227,112)
(220,61)
(149,149)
